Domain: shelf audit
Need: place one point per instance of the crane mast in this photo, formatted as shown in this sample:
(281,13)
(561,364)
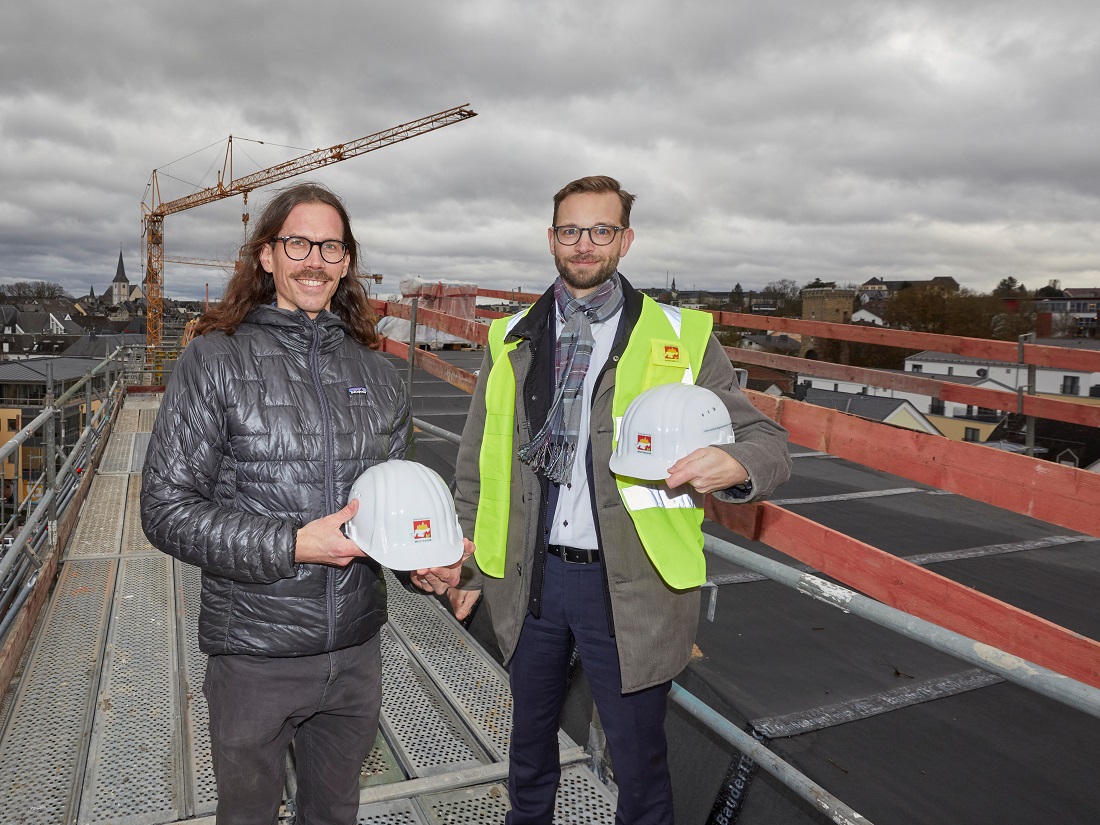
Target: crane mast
(154,213)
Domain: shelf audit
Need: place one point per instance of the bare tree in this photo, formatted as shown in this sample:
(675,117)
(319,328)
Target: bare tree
(25,291)
(784,288)
(928,308)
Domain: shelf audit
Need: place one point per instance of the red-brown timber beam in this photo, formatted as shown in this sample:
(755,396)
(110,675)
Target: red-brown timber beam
(1039,355)
(1067,496)
(433,364)
(914,589)
(1007,351)
(509,295)
(1041,407)
(459,327)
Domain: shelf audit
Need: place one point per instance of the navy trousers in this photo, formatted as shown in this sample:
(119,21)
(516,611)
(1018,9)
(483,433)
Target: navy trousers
(573,610)
(327,704)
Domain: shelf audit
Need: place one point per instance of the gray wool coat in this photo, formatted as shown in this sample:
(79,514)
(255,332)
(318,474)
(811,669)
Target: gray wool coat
(654,625)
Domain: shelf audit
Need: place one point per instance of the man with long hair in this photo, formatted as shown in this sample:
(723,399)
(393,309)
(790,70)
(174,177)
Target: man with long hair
(273,410)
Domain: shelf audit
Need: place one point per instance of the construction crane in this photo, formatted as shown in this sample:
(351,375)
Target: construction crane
(179,259)
(154,213)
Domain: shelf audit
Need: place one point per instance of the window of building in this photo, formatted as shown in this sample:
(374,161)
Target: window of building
(971,434)
(918,368)
(13,425)
(936,408)
(950,370)
(1071,385)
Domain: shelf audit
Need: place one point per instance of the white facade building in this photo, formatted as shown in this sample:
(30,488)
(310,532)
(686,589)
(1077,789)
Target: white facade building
(1048,381)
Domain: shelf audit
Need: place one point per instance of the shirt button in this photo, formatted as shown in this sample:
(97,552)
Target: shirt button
(565,524)
(569,486)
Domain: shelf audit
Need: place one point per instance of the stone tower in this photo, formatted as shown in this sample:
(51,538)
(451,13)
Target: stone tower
(829,305)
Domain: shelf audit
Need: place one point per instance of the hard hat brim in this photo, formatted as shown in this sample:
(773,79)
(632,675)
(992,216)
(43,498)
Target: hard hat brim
(648,468)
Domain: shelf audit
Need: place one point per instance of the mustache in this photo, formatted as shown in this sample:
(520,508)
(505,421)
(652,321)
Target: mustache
(312,275)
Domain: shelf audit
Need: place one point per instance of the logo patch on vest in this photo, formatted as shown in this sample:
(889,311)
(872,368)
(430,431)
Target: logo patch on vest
(422,529)
(668,352)
(644,444)
(357,390)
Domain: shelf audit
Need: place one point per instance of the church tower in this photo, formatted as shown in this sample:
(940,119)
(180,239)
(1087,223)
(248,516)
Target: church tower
(120,286)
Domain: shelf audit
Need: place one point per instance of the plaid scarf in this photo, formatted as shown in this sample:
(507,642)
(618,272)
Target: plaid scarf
(554,448)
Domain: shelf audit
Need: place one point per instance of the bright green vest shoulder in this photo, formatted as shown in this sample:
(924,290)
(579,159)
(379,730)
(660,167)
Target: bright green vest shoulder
(495,459)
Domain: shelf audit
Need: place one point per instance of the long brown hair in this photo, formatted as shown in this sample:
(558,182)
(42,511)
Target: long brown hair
(250,286)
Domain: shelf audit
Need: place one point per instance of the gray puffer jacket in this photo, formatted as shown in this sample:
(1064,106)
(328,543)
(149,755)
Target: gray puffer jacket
(258,434)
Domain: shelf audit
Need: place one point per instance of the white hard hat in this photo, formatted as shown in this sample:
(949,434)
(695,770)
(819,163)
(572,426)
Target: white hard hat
(406,518)
(664,424)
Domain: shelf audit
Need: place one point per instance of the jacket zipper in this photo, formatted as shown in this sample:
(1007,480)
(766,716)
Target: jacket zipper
(538,572)
(330,502)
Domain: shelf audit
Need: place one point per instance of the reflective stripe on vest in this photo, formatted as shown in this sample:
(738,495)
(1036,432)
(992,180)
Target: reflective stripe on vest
(669,527)
(666,345)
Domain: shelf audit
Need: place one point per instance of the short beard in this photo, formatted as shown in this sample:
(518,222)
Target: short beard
(599,276)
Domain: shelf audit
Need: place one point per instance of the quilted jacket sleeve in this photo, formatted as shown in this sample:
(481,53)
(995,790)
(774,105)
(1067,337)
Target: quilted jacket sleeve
(183,511)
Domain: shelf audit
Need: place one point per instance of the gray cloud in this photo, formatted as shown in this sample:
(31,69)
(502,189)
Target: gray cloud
(852,139)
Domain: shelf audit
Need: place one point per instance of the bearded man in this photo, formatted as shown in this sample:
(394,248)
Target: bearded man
(561,559)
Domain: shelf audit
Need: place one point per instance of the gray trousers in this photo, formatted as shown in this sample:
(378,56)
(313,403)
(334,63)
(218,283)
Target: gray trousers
(328,704)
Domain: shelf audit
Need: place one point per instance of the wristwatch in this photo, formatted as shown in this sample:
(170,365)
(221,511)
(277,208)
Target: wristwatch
(742,490)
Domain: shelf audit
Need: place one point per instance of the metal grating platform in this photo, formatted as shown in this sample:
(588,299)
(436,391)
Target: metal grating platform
(412,703)
(108,723)
(192,666)
(43,746)
(137,702)
(99,530)
(474,684)
(119,455)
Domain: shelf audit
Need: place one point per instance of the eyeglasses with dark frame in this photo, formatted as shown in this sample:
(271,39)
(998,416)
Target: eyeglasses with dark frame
(298,249)
(600,235)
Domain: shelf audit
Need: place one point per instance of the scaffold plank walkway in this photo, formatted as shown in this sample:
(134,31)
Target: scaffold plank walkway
(108,723)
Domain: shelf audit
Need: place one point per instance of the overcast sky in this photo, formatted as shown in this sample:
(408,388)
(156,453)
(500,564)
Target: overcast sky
(765,141)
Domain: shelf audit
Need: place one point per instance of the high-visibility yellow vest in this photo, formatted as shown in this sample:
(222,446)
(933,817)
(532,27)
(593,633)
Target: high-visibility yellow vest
(666,346)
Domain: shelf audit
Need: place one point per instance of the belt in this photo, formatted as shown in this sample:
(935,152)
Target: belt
(573,555)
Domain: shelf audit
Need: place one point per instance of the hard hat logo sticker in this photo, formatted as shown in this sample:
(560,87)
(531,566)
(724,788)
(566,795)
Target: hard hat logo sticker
(672,353)
(645,443)
(422,529)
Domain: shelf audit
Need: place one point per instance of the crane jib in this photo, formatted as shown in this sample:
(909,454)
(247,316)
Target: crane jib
(155,213)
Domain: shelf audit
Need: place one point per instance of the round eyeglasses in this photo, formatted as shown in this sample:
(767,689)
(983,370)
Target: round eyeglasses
(600,235)
(298,249)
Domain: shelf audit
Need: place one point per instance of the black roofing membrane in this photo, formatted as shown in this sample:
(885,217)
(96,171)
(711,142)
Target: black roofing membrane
(994,753)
